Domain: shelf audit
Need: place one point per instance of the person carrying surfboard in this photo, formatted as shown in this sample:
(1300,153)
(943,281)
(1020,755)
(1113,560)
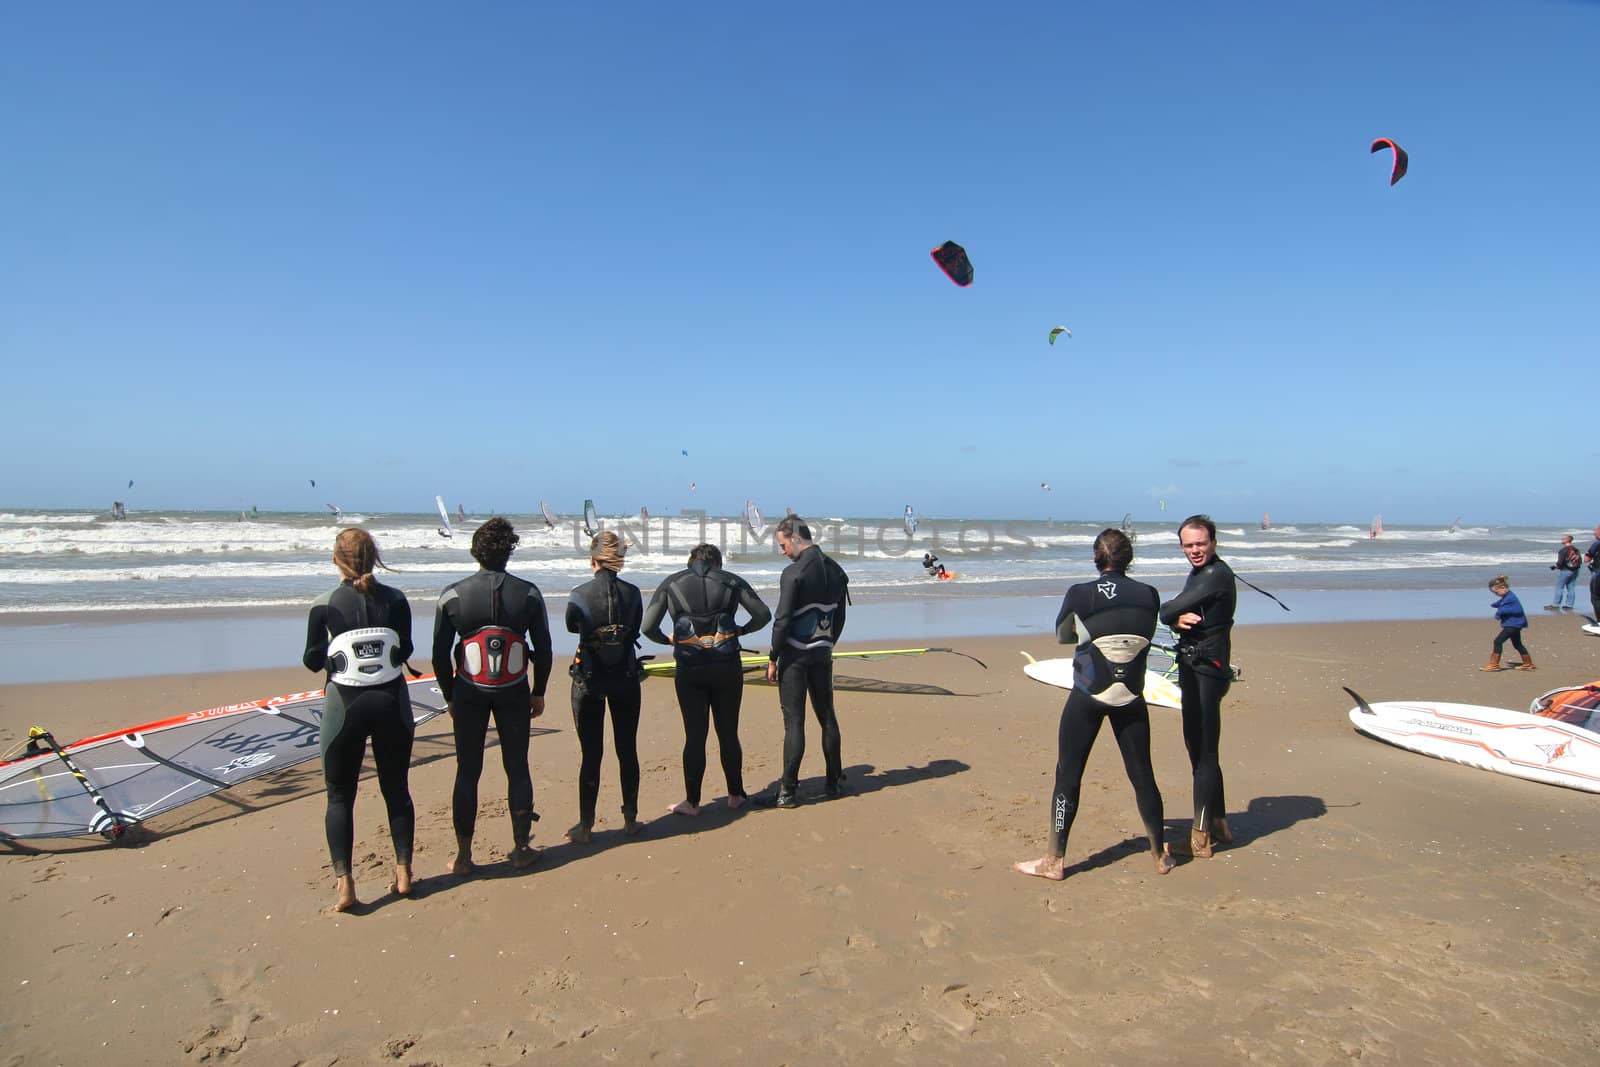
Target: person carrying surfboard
(708,675)
(488,631)
(1512,619)
(1118,616)
(1202,618)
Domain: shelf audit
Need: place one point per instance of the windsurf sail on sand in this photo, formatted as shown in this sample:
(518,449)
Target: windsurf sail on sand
(758,661)
(591,521)
(549,516)
(753,520)
(1578,705)
(444,517)
(910,522)
(108,783)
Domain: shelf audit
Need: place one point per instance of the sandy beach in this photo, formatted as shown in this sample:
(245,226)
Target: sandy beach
(1376,906)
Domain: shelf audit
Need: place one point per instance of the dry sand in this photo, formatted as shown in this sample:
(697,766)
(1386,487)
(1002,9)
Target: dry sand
(1377,905)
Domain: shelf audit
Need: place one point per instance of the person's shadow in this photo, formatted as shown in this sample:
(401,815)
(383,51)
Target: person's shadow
(1263,817)
(863,778)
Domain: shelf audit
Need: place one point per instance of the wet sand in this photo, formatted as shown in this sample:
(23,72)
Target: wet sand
(1376,905)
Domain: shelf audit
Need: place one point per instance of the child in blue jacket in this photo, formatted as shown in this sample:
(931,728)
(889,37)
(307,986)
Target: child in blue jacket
(1513,620)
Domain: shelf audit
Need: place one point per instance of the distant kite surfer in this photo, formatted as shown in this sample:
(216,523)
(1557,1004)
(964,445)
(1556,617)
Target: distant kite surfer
(118,510)
(931,564)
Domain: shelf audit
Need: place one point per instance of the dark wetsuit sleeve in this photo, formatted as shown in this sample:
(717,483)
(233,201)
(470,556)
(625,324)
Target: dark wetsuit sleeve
(844,602)
(1205,585)
(316,654)
(444,640)
(653,615)
(784,617)
(574,614)
(400,622)
(1066,622)
(760,614)
(539,638)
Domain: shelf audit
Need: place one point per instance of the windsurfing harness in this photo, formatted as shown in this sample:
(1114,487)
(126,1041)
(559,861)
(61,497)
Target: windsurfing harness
(606,649)
(493,657)
(1119,619)
(369,656)
(703,600)
(503,632)
(812,596)
(1210,593)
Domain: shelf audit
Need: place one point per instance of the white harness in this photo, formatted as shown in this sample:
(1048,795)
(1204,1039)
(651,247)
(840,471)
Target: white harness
(364,657)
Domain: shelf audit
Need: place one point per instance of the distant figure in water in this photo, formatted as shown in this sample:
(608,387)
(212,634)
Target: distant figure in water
(931,564)
(1512,619)
(118,511)
(360,633)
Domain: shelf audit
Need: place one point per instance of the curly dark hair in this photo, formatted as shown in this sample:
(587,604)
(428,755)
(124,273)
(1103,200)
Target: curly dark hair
(492,543)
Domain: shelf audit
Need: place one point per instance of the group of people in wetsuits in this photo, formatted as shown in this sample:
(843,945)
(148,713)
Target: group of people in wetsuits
(1117,616)
(493,658)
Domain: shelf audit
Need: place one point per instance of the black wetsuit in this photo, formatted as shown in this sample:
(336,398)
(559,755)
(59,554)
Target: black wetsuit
(606,600)
(1204,675)
(491,598)
(812,595)
(353,713)
(709,677)
(1118,616)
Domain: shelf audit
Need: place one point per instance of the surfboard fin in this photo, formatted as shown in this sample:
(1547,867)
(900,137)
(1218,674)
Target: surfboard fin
(1366,709)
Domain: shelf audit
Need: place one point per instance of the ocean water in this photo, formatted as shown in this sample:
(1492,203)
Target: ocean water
(85,596)
(82,563)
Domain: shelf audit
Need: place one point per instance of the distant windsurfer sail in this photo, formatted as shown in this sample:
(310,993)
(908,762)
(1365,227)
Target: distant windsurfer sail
(549,515)
(910,522)
(1377,527)
(591,521)
(444,516)
(753,520)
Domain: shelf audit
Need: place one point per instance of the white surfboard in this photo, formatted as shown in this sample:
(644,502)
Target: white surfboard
(1592,628)
(1058,672)
(1493,739)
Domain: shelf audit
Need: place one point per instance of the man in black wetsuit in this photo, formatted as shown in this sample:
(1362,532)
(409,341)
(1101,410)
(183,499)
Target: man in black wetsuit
(606,613)
(1202,618)
(1118,616)
(709,677)
(812,595)
(1592,554)
(498,618)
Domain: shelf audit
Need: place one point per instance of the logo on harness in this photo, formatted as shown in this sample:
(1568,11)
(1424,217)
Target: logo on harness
(492,658)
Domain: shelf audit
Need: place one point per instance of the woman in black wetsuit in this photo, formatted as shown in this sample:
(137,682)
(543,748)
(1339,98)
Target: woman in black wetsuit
(606,613)
(360,633)
(1202,617)
(1118,616)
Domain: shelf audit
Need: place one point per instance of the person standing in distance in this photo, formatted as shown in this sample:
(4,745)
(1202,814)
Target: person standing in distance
(1567,565)
(812,595)
(1592,554)
(1202,617)
(605,612)
(498,617)
(708,675)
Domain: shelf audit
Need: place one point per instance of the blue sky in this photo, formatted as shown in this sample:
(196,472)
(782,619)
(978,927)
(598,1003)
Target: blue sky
(507,252)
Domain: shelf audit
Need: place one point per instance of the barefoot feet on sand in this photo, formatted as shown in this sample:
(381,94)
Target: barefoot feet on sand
(462,866)
(633,827)
(683,807)
(401,886)
(524,856)
(580,835)
(1051,867)
(1164,861)
(345,887)
(735,803)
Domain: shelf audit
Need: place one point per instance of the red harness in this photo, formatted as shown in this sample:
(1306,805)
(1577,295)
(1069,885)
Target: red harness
(492,658)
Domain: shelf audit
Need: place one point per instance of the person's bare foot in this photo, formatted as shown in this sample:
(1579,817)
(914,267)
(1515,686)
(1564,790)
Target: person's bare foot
(683,807)
(1200,844)
(346,888)
(462,866)
(735,803)
(524,856)
(1220,831)
(401,886)
(633,827)
(1051,867)
(1164,861)
(579,835)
